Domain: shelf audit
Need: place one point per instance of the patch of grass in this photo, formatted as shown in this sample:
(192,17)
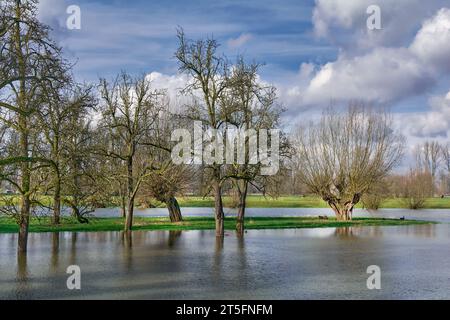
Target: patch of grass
(257,201)
(8,225)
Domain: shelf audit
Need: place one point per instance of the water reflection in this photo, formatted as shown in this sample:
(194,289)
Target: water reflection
(440,215)
(173,236)
(55,252)
(347,232)
(265,264)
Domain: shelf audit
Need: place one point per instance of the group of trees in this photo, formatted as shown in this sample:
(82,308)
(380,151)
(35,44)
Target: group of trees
(66,145)
(78,146)
(428,177)
(341,163)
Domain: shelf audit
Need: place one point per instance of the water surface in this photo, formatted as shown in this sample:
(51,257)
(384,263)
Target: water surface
(441,215)
(267,264)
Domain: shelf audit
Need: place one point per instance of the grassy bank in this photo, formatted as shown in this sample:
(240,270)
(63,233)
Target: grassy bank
(256,201)
(8,225)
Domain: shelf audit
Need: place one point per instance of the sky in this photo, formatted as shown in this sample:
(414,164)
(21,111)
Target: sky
(316,53)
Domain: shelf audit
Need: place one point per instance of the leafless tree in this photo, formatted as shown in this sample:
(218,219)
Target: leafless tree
(249,105)
(130,108)
(429,158)
(29,62)
(344,155)
(210,74)
(62,112)
(446,165)
(446,157)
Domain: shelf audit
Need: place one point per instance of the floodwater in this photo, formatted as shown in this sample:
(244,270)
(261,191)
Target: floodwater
(437,215)
(266,264)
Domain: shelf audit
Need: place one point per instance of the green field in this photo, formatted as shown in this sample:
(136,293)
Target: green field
(8,225)
(256,201)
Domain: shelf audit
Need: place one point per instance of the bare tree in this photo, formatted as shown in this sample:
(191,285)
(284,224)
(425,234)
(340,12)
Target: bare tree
(60,115)
(344,155)
(130,109)
(250,107)
(29,61)
(209,73)
(82,181)
(429,158)
(446,162)
(446,157)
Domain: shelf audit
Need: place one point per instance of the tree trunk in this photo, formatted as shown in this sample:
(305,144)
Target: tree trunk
(23,225)
(241,209)
(343,213)
(57,202)
(123,207)
(174,210)
(130,197)
(218,208)
(25,203)
(77,214)
(23,119)
(129,216)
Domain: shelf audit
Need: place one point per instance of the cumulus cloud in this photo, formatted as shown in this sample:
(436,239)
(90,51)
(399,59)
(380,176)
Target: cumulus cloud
(432,42)
(382,74)
(344,22)
(434,123)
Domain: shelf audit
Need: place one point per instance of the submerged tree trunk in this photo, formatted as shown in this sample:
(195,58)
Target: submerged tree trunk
(241,209)
(23,225)
(57,202)
(174,210)
(25,202)
(218,208)
(130,197)
(123,207)
(23,124)
(129,215)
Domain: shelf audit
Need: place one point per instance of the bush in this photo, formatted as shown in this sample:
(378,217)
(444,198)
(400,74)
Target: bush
(417,186)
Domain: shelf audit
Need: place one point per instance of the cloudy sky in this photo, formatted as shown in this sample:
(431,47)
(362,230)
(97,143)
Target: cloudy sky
(316,52)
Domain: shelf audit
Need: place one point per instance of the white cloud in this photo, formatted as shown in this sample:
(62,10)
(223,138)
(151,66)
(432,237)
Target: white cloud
(380,75)
(434,123)
(173,84)
(240,41)
(52,12)
(432,42)
(344,22)
(383,75)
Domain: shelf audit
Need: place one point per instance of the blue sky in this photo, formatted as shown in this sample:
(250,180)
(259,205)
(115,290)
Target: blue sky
(315,51)
(140,35)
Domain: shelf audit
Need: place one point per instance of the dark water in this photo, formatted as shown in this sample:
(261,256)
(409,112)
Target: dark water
(266,264)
